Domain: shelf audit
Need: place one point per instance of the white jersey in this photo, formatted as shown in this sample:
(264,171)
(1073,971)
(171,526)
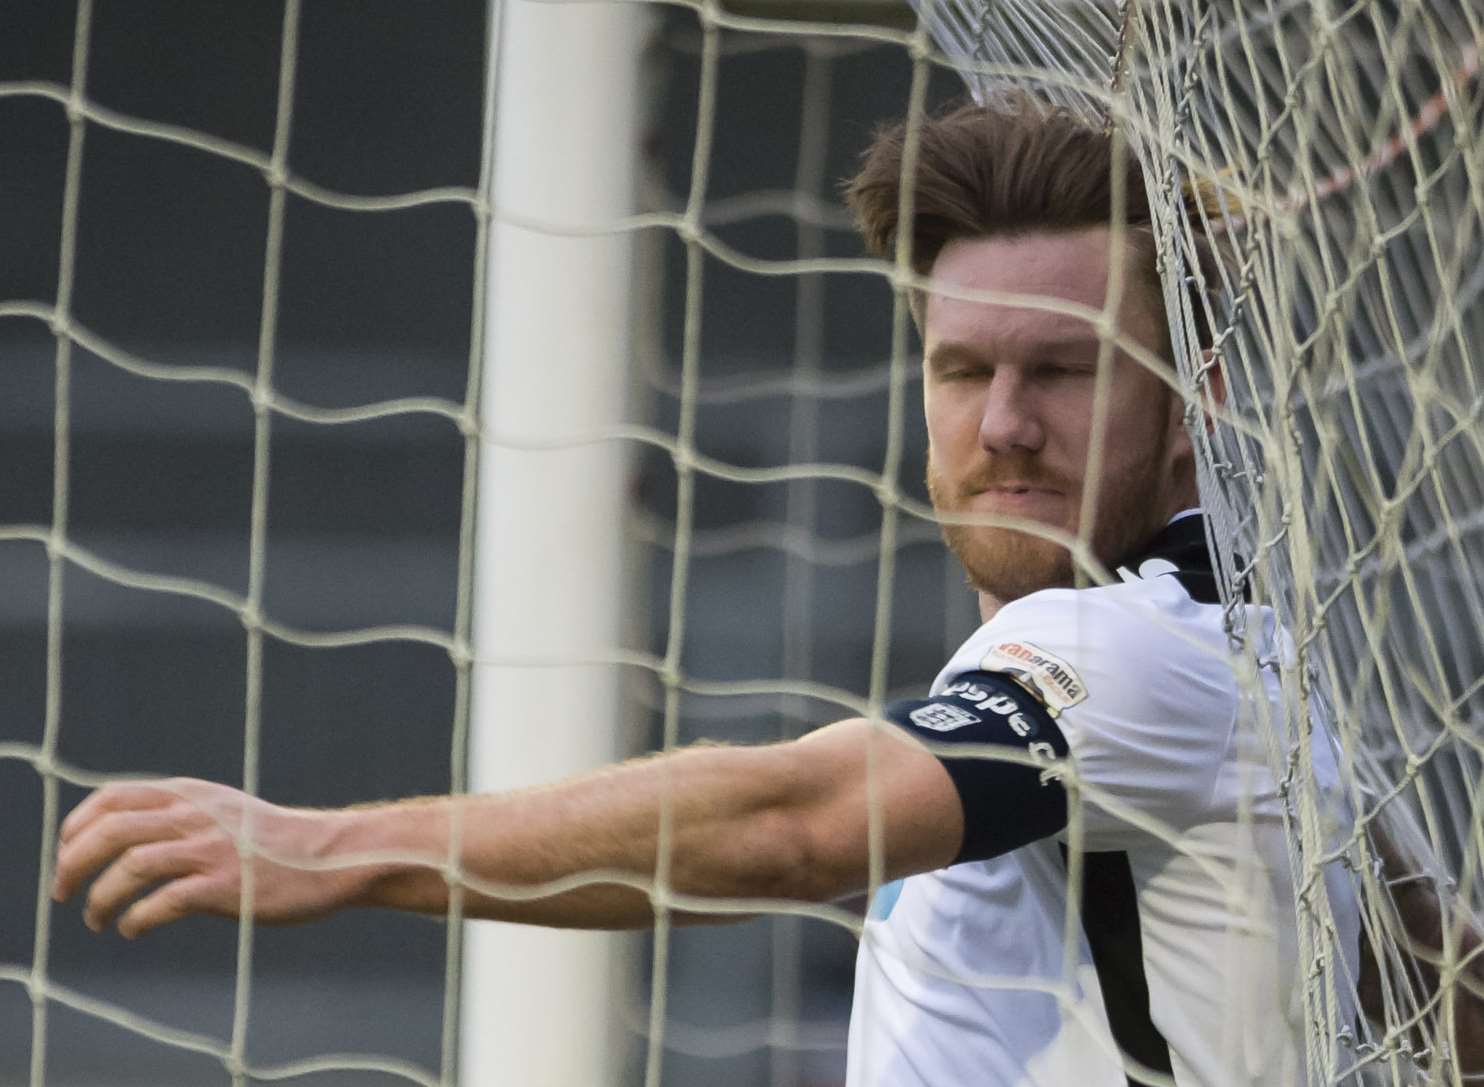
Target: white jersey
(1183,955)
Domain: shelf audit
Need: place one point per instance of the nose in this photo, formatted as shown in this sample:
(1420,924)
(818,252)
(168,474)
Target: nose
(1009,421)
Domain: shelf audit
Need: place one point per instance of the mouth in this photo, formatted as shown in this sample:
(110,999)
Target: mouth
(1020,499)
(1018,490)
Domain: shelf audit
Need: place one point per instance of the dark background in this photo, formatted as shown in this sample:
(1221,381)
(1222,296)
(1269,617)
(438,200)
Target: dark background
(363,517)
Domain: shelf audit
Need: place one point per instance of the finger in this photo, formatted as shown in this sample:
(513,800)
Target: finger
(179,898)
(109,835)
(135,871)
(120,796)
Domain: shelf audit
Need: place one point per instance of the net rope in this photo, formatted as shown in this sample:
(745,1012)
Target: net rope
(693,222)
(1335,146)
(1345,483)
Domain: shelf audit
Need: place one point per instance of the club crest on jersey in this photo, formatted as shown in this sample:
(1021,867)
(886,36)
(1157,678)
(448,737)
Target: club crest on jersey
(942,717)
(1054,681)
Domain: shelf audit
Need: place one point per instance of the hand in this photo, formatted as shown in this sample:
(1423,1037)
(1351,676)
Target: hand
(170,849)
(1421,915)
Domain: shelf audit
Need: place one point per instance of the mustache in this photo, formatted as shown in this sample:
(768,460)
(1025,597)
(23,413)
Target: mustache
(1003,473)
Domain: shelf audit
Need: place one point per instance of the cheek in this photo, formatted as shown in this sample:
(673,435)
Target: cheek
(1134,435)
(1068,426)
(952,422)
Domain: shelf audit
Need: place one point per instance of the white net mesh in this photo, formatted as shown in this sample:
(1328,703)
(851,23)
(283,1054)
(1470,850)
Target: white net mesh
(1348,196)
(62,1010)
(1336,146)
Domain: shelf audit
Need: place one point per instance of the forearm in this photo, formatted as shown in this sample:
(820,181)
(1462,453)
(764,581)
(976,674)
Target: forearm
(737,828)
(789,821)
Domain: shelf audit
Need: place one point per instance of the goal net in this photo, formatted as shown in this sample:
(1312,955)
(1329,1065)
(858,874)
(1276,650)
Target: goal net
(1328,155)
(748,407)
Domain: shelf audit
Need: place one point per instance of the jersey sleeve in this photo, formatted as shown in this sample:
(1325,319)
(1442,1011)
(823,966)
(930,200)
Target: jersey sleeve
(1099,711)
(1143,696)
(998,744)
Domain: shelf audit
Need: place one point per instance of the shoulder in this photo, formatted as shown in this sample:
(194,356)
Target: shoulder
(1138,678)
(1139,682)
(1120,643)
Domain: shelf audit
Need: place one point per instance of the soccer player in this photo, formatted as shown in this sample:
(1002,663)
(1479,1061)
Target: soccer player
(1094,883)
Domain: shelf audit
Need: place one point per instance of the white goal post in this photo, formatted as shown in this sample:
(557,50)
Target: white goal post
(541,1008)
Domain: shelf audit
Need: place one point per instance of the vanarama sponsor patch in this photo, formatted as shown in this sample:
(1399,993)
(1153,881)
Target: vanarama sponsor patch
(1045,674)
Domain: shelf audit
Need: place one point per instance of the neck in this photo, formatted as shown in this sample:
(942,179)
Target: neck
(989,606)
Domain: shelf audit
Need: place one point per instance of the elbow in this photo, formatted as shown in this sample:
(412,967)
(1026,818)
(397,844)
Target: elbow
(835,858)
(815,827)
(818,836)
(800,839)
(794,861)
(786,848)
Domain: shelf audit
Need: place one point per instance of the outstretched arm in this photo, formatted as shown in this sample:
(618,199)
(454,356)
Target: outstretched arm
(785,821)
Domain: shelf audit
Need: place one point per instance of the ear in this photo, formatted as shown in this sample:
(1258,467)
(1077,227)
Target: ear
(1212,386)
(1210,395)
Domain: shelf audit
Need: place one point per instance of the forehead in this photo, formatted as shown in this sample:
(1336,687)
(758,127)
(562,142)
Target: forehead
(1070,266)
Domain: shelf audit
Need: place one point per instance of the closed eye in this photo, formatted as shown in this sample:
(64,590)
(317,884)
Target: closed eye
(966,373)
(1054,370)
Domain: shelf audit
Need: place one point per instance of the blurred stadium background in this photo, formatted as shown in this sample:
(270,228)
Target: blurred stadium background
(363,518)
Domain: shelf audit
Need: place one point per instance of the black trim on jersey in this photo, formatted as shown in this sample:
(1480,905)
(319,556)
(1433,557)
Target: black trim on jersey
(1110,920)
(1006,804)
(1183,543)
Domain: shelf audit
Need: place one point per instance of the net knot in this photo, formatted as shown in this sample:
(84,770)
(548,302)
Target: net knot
(43,763)
(460,653)
(1366,1049)
(1404,1046)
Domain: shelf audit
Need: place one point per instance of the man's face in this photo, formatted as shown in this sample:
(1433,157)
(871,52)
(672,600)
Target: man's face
(1008,394)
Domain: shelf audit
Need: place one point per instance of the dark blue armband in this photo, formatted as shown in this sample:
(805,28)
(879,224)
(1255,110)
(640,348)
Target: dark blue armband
(1006,804)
